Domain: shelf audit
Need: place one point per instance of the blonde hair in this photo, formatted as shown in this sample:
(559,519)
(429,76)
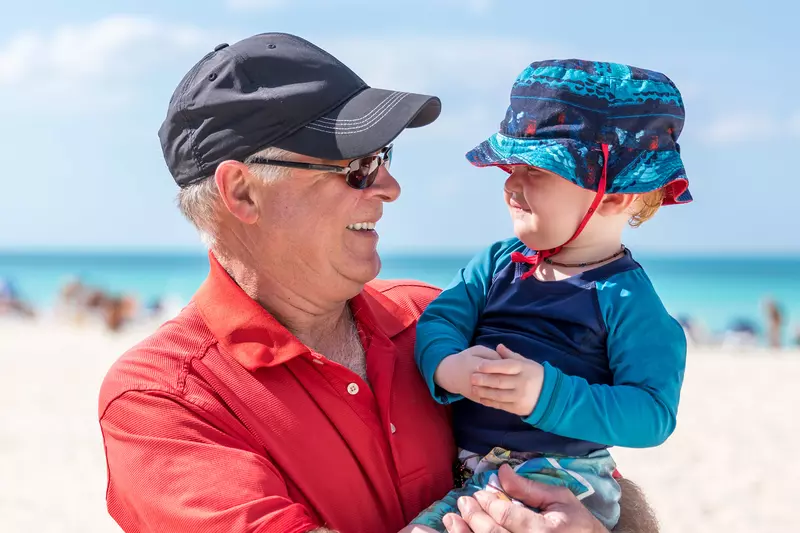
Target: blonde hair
(646,206)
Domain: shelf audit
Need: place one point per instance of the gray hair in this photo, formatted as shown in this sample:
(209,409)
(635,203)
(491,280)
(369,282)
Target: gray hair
(199,201)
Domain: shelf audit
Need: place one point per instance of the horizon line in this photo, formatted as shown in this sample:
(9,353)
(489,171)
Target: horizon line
(686,252)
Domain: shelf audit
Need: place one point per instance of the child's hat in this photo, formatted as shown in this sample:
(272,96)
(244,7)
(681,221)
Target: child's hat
(562,112)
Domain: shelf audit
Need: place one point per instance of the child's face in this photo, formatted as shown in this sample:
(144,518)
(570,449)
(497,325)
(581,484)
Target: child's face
(545,208)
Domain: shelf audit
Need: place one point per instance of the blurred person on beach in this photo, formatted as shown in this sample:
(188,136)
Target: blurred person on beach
(73,298)
(774,315)
(12,302)
(284,397)
(742,333)
(696,332)
(77,302)
(553,346)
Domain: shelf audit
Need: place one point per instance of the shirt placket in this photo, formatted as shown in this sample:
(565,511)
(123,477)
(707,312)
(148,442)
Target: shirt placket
(353,391)
(381,359)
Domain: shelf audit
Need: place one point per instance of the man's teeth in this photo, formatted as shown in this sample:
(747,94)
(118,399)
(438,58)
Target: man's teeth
(362,226)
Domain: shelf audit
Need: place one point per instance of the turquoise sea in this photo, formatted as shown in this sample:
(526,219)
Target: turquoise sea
(715,290)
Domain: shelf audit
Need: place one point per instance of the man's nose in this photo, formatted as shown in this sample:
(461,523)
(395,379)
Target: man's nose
(385,186)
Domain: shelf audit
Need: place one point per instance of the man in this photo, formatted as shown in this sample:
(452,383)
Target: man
(284,397)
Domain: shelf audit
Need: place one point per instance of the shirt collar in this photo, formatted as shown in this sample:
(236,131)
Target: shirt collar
(257,340)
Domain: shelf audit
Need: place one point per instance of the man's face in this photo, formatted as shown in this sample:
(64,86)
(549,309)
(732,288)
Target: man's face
(314,225)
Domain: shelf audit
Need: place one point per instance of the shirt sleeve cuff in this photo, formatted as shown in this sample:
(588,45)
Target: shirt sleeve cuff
(552,378)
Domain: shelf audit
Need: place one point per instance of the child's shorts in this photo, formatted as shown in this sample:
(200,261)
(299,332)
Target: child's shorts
(591,478)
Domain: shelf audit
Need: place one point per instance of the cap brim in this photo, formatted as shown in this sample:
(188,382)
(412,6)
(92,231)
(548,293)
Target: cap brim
(363,124)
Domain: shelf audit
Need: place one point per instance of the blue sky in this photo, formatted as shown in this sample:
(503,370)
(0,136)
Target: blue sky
(84,87)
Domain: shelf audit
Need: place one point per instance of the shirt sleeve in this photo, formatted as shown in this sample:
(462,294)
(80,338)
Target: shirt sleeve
(171,469)
(448,324)
(647,356)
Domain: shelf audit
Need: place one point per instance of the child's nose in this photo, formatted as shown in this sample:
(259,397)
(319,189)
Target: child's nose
(514,180)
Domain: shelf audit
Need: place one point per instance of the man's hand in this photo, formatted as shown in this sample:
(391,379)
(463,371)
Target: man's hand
(455,371)
(512,383)
(561,512)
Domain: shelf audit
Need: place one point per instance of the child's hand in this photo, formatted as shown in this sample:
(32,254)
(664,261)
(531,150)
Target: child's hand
(512,383)
(454,373)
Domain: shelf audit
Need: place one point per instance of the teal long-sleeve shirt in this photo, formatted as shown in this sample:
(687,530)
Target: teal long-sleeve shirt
(613,357)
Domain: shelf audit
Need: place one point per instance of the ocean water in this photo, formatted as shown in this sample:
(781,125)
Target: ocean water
(717,291)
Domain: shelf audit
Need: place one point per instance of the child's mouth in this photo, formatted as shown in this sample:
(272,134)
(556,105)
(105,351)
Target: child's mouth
(516,205)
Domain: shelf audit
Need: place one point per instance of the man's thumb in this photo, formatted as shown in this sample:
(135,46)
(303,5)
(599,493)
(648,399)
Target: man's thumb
(531,493)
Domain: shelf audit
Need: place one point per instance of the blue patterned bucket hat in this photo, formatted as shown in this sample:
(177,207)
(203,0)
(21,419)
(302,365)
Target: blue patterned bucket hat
(562,112)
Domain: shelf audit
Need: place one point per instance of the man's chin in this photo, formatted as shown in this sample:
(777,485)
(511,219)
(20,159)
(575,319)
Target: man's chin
(365,270)
(375,270)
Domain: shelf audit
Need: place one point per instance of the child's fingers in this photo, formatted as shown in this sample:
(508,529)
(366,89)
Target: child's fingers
(497,395)
(505,353)
(484,353)
(500,366)
(494,381)
(503,406)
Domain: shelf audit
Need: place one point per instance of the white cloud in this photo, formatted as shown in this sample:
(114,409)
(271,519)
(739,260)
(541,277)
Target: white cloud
(472,76)
(256,5)
(741,126)
(751,126)
(452,64)
(97,64)
(475,7)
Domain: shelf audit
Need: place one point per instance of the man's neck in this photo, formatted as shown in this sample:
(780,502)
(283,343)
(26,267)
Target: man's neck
(306,315)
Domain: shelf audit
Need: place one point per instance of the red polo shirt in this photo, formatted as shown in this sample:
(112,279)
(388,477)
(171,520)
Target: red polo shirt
(223,421)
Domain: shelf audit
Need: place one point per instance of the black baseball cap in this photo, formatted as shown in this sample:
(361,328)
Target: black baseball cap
(279,90)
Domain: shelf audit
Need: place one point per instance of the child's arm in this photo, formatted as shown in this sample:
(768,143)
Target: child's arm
(447,326)
(647,354)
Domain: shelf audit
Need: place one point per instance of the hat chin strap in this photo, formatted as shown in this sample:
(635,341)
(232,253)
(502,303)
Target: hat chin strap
(536,259)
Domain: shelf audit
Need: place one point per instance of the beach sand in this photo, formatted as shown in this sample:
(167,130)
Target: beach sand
(729,467)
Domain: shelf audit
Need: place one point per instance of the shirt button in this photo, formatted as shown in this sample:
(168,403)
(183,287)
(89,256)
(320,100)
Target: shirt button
(352,388)
(394,429)
(318,361)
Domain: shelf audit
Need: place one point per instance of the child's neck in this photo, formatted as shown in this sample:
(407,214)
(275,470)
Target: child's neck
(598,253)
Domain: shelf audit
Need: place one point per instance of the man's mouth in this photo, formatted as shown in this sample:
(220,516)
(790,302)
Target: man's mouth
(362,226)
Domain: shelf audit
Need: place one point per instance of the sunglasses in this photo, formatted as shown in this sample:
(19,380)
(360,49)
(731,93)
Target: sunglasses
(359,173)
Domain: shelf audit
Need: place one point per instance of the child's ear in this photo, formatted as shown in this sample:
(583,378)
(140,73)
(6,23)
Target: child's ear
(615,204)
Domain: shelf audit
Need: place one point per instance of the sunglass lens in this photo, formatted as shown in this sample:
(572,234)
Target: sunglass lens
(363,172)
(387,158)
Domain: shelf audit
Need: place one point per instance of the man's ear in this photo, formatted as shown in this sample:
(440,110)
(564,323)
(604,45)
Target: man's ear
(614,204)
(237,188)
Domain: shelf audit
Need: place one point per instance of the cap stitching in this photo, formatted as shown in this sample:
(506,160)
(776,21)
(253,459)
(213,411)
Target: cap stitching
(366,119)
(349,131)
(331,122)
(292,131)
